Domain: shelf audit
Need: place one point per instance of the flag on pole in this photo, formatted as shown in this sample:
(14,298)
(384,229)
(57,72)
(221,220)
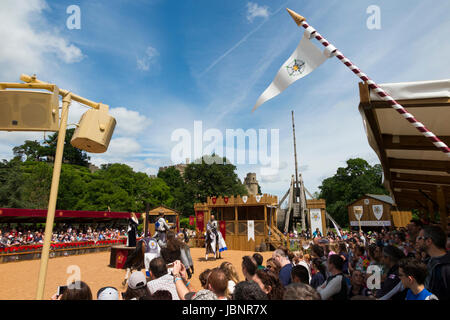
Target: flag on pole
(302,61)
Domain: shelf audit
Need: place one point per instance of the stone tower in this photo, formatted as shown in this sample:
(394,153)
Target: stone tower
(251,183)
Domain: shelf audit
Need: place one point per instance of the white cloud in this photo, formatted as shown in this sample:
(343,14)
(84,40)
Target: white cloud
(25,48)
(129,122)
(123,147)
(148,59)
(253,11)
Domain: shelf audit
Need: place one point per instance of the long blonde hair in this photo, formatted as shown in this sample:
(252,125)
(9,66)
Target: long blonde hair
(230,271)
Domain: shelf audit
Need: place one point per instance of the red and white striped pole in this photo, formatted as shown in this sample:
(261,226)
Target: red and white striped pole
(372,85)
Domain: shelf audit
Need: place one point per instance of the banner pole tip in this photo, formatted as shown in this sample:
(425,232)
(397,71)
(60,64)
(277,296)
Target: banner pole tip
(297,18)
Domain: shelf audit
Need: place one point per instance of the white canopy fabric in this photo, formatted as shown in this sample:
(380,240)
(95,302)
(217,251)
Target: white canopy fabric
(415,90)
(411,163)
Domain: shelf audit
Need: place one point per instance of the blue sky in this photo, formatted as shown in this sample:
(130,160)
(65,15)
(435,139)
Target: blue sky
(161,65)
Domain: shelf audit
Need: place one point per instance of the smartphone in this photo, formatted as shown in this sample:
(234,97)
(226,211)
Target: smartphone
(61,290)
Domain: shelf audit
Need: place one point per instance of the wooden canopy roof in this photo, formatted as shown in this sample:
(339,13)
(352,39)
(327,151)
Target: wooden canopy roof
(415,172)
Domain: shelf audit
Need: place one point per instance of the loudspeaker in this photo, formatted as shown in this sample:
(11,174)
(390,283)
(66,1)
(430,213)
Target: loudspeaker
(94,130)
(22,110)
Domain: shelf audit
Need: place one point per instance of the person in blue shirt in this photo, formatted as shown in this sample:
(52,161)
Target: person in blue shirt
(412,273)
(286,266)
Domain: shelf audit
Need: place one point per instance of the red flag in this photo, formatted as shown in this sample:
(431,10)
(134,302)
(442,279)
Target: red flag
(225,199)
(214,199)
(191,220)
(222,228)
(200,220)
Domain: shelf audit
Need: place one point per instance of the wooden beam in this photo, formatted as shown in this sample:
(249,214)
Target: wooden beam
(407,142)
(434,102)
(415,186)
(443,212)
(374,126)
(399,176)
(430,209)
(412,164)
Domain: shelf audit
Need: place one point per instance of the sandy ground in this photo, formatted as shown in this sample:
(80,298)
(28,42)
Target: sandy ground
(19,279)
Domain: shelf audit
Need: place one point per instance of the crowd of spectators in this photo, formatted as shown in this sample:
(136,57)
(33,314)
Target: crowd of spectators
(411,263)
(21,235)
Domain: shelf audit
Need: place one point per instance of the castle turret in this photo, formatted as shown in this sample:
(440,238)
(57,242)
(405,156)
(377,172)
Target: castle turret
(251,183)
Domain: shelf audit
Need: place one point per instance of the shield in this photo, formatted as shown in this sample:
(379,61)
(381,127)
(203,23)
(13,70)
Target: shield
(377,211)
(258,198)
(245,198)
(214,199)
(225,199)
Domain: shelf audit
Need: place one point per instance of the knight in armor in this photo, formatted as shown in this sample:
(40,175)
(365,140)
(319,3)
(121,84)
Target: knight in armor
(212,226)
(161,228)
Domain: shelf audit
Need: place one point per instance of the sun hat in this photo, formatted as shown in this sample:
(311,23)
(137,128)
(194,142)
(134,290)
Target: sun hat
(108,293)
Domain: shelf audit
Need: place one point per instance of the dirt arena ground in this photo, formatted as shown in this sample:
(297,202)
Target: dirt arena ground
(19,279)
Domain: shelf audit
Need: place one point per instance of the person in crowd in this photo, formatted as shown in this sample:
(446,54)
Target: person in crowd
(299,259)
(218,283)
(172,249)
(203,277)
(286,266)
(412,274)
(77,290)
(300,291)
(259,261)
(433,240)
(232,276)
(413,229)
(248,268)
(392,287)
(343,252)
(137,287)
(270,284)
(300,274)
(185,291)
(159,295)
(248,290)
(108,293)
(273,265)
(185,256)
(318,272)
(335,287)
(161,279)
(357,287)
(317,233)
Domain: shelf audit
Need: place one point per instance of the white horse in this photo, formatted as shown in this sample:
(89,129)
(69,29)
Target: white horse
(213,245)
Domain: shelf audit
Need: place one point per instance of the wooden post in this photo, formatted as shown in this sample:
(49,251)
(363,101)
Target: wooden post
(236,229)
(265,221)
(430,210)
(442,208)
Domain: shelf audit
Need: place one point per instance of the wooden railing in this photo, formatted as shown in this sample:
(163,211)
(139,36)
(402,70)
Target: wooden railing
(276,237)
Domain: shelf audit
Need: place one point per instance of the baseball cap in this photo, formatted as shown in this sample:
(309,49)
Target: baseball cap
(137,280)
(108,293)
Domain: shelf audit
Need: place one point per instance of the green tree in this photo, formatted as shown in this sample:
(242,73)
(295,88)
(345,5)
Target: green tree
(11,183)
(31,150)
(210,178)
(72,186)
(71,154)
(174,180)
(36,188)
(349,184)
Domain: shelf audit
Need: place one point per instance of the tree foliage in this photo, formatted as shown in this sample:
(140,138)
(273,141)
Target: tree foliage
(350,184)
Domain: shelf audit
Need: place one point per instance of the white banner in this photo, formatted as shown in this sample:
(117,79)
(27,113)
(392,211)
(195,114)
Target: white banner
(303,61)
(316,220)
(250,230)
(381,223)
(377,210)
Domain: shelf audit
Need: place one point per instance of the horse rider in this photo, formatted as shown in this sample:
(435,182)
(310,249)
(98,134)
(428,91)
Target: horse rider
(212,226)
(161,227)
